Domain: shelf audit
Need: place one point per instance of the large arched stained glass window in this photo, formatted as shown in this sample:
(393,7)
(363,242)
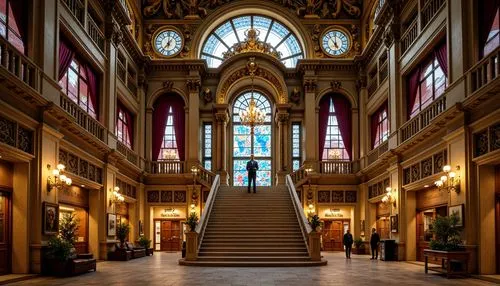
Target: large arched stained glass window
(244,144)
(233,31)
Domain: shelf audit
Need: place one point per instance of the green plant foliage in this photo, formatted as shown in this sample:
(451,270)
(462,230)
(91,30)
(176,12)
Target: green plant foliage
(359,243)
(59,248)
(144,242)
(192,221)
(68,227)
(122,231)
(315,222)
(446,233)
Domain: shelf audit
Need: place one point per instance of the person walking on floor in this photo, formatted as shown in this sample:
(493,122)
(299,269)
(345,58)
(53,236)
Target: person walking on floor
(252,167)
(348,241)
(374,241)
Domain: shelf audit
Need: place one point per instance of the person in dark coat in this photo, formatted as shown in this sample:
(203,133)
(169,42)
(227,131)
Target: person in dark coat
(252,167)
(374,241)
(348,241)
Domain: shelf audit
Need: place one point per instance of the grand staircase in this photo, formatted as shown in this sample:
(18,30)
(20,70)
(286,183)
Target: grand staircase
(253,230)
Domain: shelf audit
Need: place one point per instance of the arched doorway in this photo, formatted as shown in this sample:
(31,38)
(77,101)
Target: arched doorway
(244,144)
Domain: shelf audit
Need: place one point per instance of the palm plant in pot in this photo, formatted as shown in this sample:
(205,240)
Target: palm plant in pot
(192,221)
(58,253)
(360,246)
(446,233)
(315,223)
(146,243)
(122,231)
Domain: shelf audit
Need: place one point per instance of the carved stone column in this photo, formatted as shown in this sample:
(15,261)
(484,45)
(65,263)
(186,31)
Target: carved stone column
(222,118)
(193,153)
(283,140)
(310,131)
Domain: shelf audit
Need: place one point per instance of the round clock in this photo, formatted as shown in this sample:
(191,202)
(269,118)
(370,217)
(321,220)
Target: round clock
(335,42)
(168,42)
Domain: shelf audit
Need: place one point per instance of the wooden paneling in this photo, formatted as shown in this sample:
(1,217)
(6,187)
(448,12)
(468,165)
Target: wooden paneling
(170,235)
(383,209)
(431,197)
(332,235)
(6,174)
(384,227)
(122,209)
(74,195)
(5,233)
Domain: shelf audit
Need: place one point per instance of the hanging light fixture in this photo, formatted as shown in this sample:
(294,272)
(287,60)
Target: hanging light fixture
(252,115)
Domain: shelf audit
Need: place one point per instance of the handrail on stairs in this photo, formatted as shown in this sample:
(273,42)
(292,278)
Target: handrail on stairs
(200,228)
(299,211)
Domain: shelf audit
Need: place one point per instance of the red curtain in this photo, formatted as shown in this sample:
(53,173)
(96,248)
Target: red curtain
(412,83)
(93,87)
(343,111)
(324,108)
(66,55)
(441,54)
(374,126)
(487,12)
(130,121)
(160,115)
(19,8)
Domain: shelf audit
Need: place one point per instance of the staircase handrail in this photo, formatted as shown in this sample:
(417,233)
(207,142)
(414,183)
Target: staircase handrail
(204,175)
(299,210)
(200,228)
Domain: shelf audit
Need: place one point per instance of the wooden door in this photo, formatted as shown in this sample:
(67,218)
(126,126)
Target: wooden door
(5,243)
(497,223)
(332,235)
(170,235)
(421,243)
(383,229)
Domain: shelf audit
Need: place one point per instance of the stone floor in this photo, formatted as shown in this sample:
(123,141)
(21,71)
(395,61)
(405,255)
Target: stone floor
(162,269)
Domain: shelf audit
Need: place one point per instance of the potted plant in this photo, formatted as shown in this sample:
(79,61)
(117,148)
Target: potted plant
(192,221)
(122,231)
(359,246)
(446,233)
(146,243)
(59,251)
(315,223)
(68,227)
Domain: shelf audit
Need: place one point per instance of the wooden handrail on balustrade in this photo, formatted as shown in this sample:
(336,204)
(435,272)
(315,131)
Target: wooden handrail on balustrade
(383,72)
(131,156)
(423,119)
(132,85)
(205,215)
(166,167)
(484,72)
(95,33)
(298,175)
(409,36)
(429,10)
(77,8)
(335,167)
(372,86)
(19,65)
(82,118)
(205,175)
(299,210)
(121,71)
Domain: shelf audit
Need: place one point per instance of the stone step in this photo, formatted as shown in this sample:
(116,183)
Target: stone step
(252,228)
(256,253)
(254,248)
(253,258)
(252,240)
(253,263)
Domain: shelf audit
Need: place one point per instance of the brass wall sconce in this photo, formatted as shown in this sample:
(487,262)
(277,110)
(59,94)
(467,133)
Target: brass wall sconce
(389,198)
(450,181)
(116,197)
(58,180)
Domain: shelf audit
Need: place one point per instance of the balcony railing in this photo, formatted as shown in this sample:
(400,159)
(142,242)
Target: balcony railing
(82,118)
(95,33)
(409,36)
(423,119)
(77,8)
(335,167)
(121,72)
(383,72)
(429,10)
(372,86)
(131,156)
(166,167)
(484,72)
(374,154)
(131,85)
(19,65)
(298,175)
(205,175)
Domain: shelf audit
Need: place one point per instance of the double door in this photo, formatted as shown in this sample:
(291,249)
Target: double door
(5,233)
(333,234)
(497,223)
(169,235)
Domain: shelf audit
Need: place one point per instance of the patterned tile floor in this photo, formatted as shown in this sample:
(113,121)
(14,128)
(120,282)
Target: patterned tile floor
(162,269)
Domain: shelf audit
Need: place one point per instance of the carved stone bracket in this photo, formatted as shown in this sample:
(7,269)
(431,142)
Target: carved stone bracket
(310,85)
(193,85)
(336,85)
(222,117)
(168,85)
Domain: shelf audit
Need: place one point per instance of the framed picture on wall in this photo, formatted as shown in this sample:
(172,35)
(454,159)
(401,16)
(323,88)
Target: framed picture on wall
(111,224)
(394,223)
(457,210)
(141,228)
(50,218)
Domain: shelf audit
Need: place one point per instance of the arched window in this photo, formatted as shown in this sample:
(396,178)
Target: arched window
(244,144)
(13,22)
(335,128)
(169,149)
(124,125)
(233,31)
(168,128)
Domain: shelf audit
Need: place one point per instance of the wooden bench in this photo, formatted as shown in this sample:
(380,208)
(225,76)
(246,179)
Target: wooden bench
(448,259)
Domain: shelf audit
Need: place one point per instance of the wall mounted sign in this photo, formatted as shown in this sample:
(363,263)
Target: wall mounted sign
(334,213)
(170,212)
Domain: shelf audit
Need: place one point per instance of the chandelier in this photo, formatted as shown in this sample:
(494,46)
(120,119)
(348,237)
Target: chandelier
(59,181)
(449,181)
(252,115)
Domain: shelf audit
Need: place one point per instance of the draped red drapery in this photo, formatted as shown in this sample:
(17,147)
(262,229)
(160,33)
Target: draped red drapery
(487,11)
(324,107)
(130,121)
(66,54)
(160,115)
(342,108)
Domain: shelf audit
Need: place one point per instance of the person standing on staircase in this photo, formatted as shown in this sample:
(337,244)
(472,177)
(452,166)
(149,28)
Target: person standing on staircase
(348,241)
(252,167)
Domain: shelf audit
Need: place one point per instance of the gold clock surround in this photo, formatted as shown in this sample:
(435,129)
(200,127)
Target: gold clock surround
(343,30)
(163,29)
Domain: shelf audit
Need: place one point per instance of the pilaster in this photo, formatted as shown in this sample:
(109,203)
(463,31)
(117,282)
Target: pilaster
(222,119)
(193,85)
(310,129)
(283,143)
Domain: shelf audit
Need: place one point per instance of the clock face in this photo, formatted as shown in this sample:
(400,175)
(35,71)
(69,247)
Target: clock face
(168,43)
(335,43)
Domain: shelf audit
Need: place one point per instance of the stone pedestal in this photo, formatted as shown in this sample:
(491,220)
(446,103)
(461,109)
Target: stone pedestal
(191,246)
(315,246)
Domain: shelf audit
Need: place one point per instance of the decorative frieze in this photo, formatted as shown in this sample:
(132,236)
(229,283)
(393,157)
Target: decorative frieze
(378,188)
(80,167)
(11,133)
(337,196)
(486,140)
(425,168)
(166,196)
(126,189)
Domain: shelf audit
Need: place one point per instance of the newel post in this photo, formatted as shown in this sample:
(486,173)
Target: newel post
(191,246)
(315,246)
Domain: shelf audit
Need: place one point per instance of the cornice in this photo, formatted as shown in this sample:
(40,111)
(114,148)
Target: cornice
(184,65)
(132,47)
(326,65)
(372,47)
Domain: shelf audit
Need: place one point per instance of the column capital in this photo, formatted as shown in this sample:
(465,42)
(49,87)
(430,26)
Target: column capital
(193,85)
(310,85)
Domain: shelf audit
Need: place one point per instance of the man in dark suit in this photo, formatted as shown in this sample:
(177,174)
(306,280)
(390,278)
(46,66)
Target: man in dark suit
(374,241)
(252,167)
(348,241)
